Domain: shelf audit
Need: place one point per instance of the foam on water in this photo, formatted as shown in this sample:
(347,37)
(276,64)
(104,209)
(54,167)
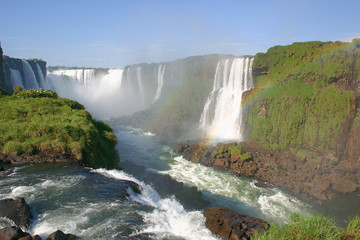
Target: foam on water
(6,222)
(41,189)
(235,192)
(169,218)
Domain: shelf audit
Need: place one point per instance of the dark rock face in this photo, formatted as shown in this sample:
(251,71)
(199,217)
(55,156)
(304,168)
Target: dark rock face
(17,64)
(2,71)
(231,225)
(59,235)
(17,210)
(319,179)
(13,233)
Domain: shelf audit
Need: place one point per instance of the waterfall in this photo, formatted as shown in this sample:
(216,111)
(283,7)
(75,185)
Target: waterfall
(29,75)
(15,78)
(160,81)
(82,76)
(101,95)
(42,83)
(138,77)
(221,116)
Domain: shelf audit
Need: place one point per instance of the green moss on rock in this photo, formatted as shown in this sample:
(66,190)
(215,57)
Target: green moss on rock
(305,96)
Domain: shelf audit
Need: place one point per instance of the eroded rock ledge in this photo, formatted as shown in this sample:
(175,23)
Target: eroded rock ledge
(229,224)
(316,179)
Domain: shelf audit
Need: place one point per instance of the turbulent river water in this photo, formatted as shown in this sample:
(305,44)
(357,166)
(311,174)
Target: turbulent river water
(89,202)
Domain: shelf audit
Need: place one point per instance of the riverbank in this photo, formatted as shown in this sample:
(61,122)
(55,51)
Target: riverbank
(319,179)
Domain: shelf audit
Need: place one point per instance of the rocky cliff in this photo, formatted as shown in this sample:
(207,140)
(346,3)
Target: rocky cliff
(306,100)
(14,73)
(2,72)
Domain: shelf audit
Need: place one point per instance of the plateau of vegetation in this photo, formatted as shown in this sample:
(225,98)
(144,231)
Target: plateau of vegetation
(303,95)
(38,121)
(312,228)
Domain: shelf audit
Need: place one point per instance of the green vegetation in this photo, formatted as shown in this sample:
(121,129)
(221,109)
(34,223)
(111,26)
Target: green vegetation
(299,104)
(233,150)
(317,227)
(34,121)
(34,59)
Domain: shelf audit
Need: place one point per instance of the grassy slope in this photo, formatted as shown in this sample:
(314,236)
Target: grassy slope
(317,227)
(299,106)
(34,121)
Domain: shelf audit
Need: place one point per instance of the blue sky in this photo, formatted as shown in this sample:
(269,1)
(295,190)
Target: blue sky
(114,33)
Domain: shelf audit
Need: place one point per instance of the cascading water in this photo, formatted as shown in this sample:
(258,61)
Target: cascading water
(101,95)
(42,82)
(160,82)
(29,75)
(221,116)
(82,76)
(15,78)
(138,77)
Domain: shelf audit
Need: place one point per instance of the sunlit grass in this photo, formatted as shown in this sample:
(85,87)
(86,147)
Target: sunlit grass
(312,228)
(34,121)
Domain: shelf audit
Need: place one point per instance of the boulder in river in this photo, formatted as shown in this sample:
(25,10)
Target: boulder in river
(229,224)
(59,235)
(14,233)
(17,210)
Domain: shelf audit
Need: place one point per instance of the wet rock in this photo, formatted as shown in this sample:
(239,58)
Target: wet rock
(17,210)
(263,184)
(59,235)
(229,224)
(14,233)
(36,237)
(346,185)
(193,152)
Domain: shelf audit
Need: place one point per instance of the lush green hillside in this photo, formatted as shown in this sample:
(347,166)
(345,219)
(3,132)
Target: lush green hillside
(317,227)
(304,95)
(38,121)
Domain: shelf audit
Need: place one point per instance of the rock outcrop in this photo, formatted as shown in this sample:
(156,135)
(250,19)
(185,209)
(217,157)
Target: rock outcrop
(2,72)
(16,210)
(59,235)
(229,224)
(15,233)
(317,179)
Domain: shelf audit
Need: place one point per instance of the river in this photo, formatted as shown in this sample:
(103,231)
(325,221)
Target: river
(90,203)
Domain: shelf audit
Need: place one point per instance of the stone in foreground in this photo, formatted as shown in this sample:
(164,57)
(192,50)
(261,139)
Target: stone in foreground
(229,224)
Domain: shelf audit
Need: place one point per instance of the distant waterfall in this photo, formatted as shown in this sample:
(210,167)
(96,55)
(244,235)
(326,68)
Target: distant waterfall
(82,76)
(29,75)
(15,78)
(221,116)
(42,82)
(102,94)
(138,77)
(160,82)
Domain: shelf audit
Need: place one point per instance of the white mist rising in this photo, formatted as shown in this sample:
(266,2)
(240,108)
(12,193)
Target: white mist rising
(221,117)
(101,95)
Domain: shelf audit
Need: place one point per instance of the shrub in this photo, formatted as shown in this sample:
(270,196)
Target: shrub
(17,89)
